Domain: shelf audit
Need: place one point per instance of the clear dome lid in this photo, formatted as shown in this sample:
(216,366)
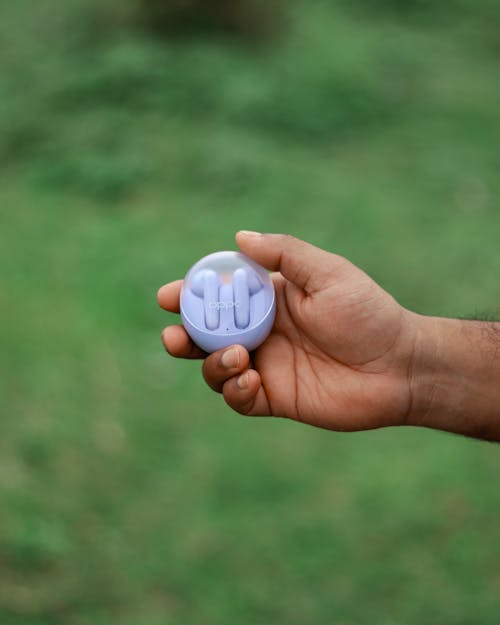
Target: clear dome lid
(226,293)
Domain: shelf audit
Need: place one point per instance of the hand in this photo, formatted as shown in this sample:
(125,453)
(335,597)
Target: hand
(339,355)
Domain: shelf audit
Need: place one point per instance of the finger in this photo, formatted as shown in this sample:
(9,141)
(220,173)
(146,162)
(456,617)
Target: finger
(178,343)
(224,364)
(307,266)
(246,395)
(168,296)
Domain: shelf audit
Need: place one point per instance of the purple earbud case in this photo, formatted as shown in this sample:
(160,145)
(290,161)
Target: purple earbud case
(227,298)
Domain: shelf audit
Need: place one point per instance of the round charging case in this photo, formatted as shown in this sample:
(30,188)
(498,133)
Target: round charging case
(227,298)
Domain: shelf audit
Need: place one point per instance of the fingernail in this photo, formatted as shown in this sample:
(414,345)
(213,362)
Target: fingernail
(230,358)
(250,233)
(242,381)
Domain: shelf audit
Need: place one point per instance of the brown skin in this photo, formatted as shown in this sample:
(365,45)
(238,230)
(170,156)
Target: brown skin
(342,355)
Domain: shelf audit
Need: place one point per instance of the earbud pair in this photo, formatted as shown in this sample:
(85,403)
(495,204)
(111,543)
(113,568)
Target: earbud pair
(206,284)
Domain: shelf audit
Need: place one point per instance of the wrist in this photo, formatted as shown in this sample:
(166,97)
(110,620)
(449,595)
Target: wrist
(424,370)
(454,377)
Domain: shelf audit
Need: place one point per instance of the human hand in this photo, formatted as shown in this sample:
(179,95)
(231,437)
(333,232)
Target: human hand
(339,355)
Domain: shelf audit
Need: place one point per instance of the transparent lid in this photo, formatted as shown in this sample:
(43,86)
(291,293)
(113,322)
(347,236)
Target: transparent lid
(226,292)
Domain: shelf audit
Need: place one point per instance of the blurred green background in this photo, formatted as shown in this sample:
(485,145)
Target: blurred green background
(136,137)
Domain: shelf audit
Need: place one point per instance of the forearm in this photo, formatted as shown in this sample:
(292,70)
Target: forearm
(455,376)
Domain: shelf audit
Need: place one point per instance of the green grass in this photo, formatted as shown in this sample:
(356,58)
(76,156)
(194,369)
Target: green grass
(128,492)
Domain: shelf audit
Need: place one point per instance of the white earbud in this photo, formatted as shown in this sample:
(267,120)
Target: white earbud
(206,285)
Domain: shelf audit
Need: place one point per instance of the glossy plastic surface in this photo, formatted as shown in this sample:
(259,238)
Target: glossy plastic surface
(227,298)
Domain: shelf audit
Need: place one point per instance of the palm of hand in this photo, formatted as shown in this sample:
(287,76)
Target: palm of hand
(336,358)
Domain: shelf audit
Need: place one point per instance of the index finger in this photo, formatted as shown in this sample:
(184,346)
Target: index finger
(168,296)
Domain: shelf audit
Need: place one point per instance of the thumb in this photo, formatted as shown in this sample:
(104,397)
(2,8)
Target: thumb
(307,266)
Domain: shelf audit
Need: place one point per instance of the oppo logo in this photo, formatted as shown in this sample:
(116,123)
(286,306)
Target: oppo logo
(223,305)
